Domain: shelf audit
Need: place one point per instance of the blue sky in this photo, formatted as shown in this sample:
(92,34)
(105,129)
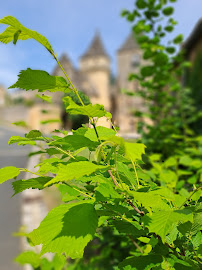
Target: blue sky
(70,25)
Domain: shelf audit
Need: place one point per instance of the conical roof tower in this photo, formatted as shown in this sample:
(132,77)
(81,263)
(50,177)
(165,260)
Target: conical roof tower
(129,44)
(96,48)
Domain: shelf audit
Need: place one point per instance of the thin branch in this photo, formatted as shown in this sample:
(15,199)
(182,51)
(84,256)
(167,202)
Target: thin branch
(135,244)
(112,177)
(135,208)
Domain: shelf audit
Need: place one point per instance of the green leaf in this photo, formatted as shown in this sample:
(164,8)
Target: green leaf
(168,11)
(105,192)
(30,79)
(134,151)
(18,31)
(150,200)
(29,257)
(20,140)
(45,98)
(75,170)
(20,185)
(75,142)
(124,170)
(141,263)
(161,222)
(132,228)
(103,133)
(7,173)
(67,229)
(89,110)
(68,193)
(178,39)
(33,134)
(20,123)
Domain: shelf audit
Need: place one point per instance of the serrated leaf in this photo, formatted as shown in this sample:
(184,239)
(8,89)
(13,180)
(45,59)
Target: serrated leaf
(89,110)
(30,79)
(29,257)
(7,173)
(23,33)
(134,151)
(67,229)
(141,263)
(35,183)
(75,170)
(68,193)
(161,222)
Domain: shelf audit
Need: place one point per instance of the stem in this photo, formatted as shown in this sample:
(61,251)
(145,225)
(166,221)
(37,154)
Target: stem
(26,170)
(135,208)
(135,244)
(138,184)
(190,196)
(112,177)
(74,89)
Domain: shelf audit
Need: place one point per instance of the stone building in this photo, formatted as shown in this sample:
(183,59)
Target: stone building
(94,78)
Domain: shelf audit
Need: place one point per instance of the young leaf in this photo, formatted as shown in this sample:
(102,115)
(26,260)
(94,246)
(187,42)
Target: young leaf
(75,170)
(45,98)
(33,134)
(29,257)
(67,229)
(20,185)
(18,31)
(8,173)
(89,110)
(134,151)
(30,79)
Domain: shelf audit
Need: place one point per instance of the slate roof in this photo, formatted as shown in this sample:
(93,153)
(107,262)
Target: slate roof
(195,35)
(96,48)
(129,44)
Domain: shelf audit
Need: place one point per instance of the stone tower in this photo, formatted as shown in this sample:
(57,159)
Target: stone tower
(129,60)
(95,65)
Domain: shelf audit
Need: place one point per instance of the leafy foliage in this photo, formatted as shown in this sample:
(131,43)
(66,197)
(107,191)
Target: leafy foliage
(139,218)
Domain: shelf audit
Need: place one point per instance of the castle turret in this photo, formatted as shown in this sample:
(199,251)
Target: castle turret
(95,64)
(129,60)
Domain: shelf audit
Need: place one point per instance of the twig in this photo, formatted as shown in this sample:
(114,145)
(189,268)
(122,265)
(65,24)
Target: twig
(135,208)
(112,177)
(135,244)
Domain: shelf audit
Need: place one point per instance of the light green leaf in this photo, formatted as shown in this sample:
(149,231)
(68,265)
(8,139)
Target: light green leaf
(67,229)
(68,193)
(150,200)
(7,173)
(20,185)
(125,171)
(20,123)
(161,222)
(45,98)
(75,170)
(29,257)
(134,151)
(89,110)
(103,133)
(30,79)
(20,140)
(24,33)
